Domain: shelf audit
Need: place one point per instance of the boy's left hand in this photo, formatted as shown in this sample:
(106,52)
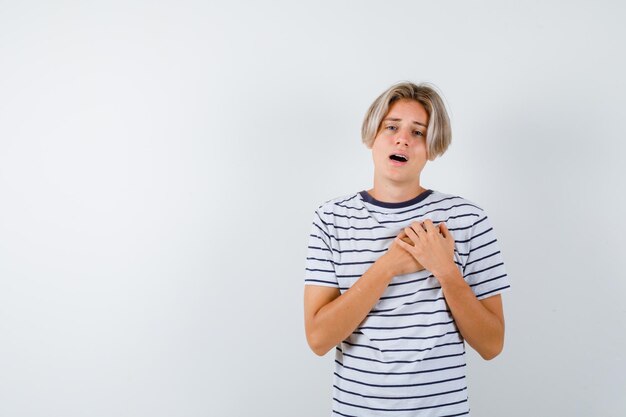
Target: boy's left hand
(433,246)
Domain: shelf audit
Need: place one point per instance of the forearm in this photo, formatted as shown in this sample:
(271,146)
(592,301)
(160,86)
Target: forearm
(336,320)
(481,328)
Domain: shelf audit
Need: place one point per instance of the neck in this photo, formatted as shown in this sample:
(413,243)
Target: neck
(395,193)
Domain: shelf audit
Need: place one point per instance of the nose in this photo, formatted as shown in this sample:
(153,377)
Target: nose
(402,138)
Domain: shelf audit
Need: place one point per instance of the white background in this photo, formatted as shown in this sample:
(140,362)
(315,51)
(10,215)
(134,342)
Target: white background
(160,163)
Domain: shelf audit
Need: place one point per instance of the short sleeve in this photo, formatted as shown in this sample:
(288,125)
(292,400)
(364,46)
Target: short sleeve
(320,268)
(484,269)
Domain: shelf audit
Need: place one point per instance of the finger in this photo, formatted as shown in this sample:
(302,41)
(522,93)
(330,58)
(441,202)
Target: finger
(411,233)
(407,240)
(417,228)
(443,229)
(429,226)
(447,236)
(406,246)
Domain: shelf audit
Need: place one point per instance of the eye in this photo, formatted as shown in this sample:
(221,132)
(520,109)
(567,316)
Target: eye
(418,133)
(391,127)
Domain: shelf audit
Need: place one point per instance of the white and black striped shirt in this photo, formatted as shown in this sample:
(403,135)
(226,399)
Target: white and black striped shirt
(407,358)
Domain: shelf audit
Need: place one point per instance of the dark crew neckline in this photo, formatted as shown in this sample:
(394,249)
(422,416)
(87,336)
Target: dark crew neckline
(369,199)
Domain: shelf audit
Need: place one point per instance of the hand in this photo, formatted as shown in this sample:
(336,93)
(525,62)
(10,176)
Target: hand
(399,261)
(432,246)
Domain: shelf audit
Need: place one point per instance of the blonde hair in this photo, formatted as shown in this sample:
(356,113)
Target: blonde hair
(438,133)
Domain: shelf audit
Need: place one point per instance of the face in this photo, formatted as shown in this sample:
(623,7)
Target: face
(399,150)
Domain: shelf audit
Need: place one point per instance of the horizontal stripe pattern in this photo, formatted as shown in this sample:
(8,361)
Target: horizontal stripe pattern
(407,358)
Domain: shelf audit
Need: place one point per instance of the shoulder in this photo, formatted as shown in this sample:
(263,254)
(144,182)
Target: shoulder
(339,204)
(342,206)
(460,207)
(457,201)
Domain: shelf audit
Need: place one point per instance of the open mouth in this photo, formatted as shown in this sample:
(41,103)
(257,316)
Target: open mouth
(399,157)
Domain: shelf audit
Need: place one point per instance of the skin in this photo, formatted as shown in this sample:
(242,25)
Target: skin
(331,317)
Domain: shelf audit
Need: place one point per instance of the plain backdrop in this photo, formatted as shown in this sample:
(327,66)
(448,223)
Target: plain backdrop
(160,162)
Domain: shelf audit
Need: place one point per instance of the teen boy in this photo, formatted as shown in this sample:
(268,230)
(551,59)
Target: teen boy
(399,276)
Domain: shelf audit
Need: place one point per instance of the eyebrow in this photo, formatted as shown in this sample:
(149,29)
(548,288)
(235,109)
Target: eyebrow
(398,120)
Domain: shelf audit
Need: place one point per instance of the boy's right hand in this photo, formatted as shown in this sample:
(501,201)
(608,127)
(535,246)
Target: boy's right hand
(398,260)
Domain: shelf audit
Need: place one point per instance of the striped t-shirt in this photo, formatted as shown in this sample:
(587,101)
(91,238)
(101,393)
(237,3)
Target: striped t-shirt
(407,358)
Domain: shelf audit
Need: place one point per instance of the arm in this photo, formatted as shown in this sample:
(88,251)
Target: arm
(481,323)
(330,317)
